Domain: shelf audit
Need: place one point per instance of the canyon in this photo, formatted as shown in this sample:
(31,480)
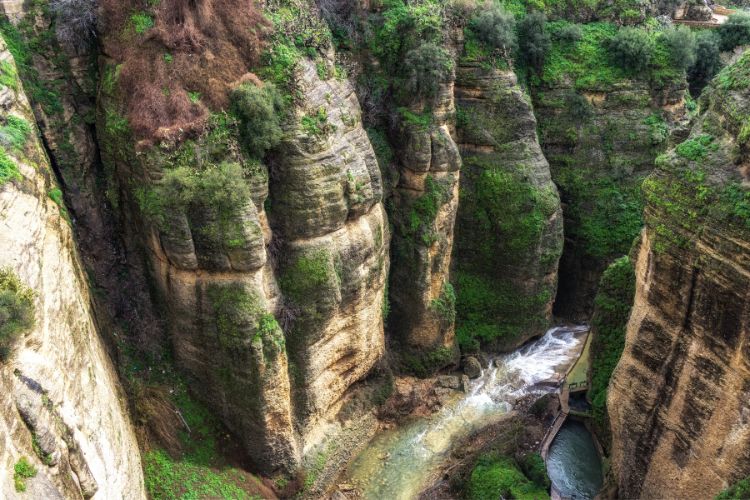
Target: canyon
(231,233)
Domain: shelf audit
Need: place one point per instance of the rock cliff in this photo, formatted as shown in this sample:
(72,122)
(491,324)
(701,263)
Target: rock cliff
(61,406)
(678,398)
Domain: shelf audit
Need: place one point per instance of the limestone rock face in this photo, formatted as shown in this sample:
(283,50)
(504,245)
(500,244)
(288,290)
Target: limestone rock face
(426,202)
(58,386)
(327,212)
(509,227)
(678,400)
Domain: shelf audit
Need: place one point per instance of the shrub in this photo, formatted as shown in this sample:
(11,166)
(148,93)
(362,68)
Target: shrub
(215,195)
(631,49)
(738,491)
(426,67)
(569,33)
(534,468)
(259,110)
(16,310)
(495,27)
(707,61)
(496,476)
(75,22)
(533,39)
(735,32)
(22,471)
(15,132)
(8,168)
(680,41)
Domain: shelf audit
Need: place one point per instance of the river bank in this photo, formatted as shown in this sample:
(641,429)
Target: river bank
(402,462)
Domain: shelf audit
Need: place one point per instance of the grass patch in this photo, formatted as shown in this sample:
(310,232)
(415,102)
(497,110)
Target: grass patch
(8,168)
(22,471)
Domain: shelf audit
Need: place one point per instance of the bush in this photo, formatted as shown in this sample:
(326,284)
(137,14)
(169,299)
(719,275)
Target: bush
(735,32)
(738,491)
(569,33)
(495,27)
(215,195)
(496,477)
(534,40)
(680,42)
(426,67)
(22,471)
(16,310)
(75,22)
(631,49)
(707,61)
(534,468)
(260,110)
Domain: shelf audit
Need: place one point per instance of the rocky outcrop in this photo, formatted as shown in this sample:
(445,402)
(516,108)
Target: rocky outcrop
(678,400)
(509,228)
(61,405)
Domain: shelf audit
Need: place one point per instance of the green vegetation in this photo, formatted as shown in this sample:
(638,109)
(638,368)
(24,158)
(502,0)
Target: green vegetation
(496,476)
(696,149)
(424,364)
(215,195)
(445,305)
(316,124)
(607,212)
(681,43)
(141,22)
(308,278)
(707,61)
(738,491)
(495,28)
(22,471)
(735,32)
(16,310)
(419,226)
(632,49)
(8,168)
(259,110)
(8,75)
(198,471)
(56,195)
(426,67)
(534,40)
(533,466)
(15,132)
(611,312)
(491,311)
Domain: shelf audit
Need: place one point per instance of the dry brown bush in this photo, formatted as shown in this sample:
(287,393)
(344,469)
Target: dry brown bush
(197,46)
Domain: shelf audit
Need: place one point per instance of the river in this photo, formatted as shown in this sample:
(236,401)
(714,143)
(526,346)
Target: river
(397,464)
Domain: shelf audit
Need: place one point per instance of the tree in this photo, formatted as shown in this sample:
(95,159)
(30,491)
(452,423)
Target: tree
(426,66)
(681,44)
(533,39)
(735,32)
(495,27)
(259,110)
(707,61)
(631,49)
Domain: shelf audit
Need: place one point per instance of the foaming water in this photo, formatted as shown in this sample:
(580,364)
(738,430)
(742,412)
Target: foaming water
(398,464)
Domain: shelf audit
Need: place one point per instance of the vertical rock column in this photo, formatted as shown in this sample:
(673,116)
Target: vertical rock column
(509,229)
(425,203)
(328,217)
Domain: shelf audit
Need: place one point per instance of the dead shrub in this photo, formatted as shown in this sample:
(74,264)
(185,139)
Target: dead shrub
(159,416)
(178,71)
